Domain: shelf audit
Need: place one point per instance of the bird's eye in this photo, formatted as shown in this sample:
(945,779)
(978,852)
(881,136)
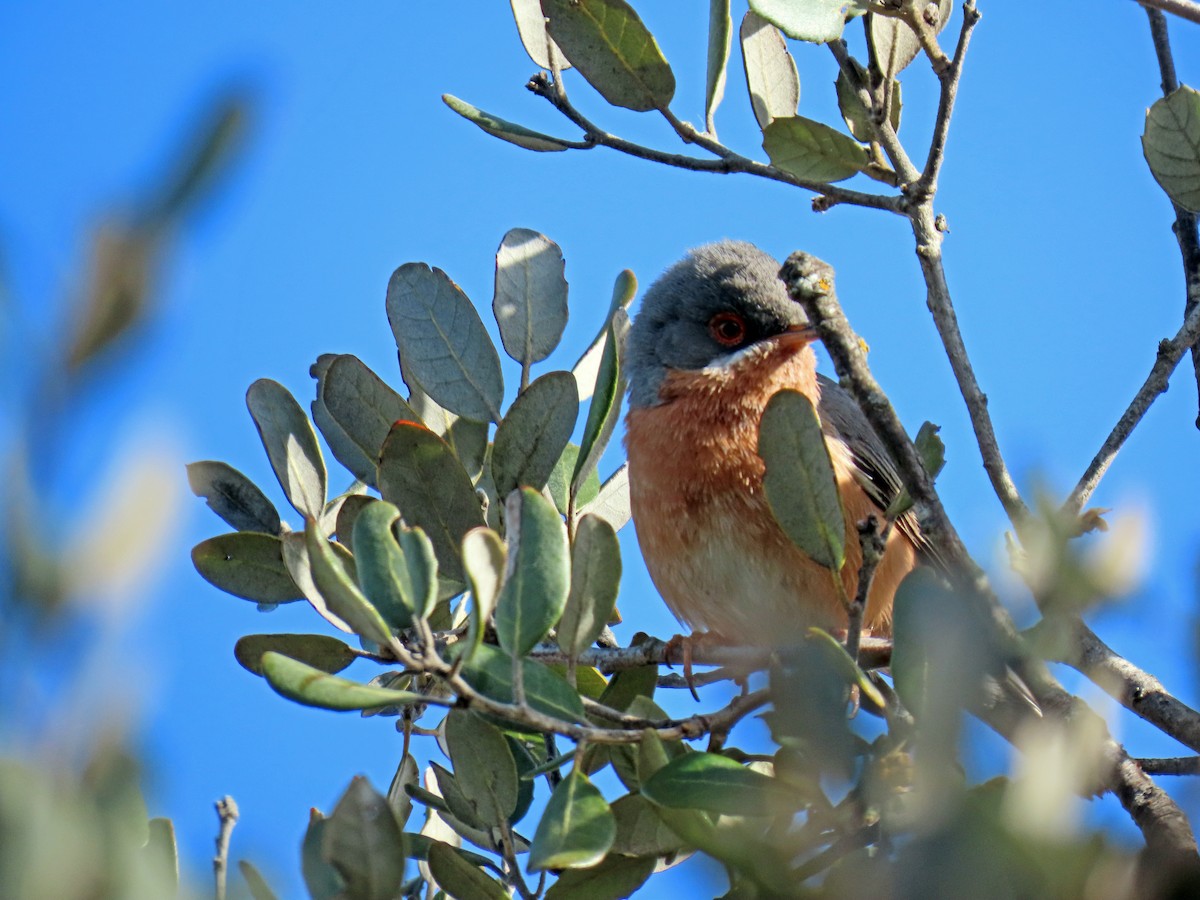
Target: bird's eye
(727,328)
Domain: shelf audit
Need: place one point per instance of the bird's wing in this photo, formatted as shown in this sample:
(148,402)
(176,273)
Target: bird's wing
(873,467)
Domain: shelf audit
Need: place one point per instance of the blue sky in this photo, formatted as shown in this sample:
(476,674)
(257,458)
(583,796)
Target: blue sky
(1060,258)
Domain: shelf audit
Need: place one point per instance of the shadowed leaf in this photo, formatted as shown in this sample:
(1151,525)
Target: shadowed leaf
(484,559)
(577,827)
(340,591)
(162,851)
(364,843)
(459,878)
(504,129)
(816,21)
(402,589)
(295,557)
(855,114)
(895,43)
(490,672)
(587,367)
(420,474)
(483,765)
(248,565)
(320,878)
(607,42)
(317,650)
(443,344)
(530,302)
(595,580)
(812,151)
(534,433)
(1171,143)
(717,784)
(312,687)
(559,482)
(407,773)
(537,579)
(799,480)
(931,449)
(233,496)
(614,878)
(291,445)
(771,76)
(257,885)
(605,409)
(720,29)
(640,829)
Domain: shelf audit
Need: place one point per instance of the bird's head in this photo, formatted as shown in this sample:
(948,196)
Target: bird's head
(719,308)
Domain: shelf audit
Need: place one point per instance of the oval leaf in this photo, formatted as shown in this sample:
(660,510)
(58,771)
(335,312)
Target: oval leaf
(717,784)
(615,878)
(587,368)
(640,829)
(534,433)
(577,828)
(799,480)
(605,409)
(1171,143)
(483,765)
(771,76)
(363,842)
(531,24)
(341,594)
(530,303)
(611,47)
(233,496)
(442,342)
(459,878)
(595,580)
(295,557)
(490,672)
(484,559)
(385,572)
(895,43)
(537,580)
(291,445)
(408,773)
(812,151)
(504,129)
(317,650)
(611,502)
(312,687)
(248,565)
(816,21)
(420,474)
(720,29)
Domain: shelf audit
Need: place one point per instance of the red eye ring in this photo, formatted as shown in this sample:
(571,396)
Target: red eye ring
(727,328)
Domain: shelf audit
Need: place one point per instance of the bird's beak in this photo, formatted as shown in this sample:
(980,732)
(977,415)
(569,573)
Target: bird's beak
(798,335)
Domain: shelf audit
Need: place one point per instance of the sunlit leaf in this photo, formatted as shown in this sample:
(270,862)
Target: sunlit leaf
(614,878)
(771,76)
(530,303)
(717,784)
(720,29)
(799,480)
(895,43)
(443,344)
(812,151)
(255,883)
(490,672)
(117,291)
(931,449)
(363,842)
(531,24)
(248,565)
(605,409)
(587,368)
(484,559)
(611,502)
(504,129)
(233,496)
(162,851)
(538,575)
(341,592)
(595,580)
(855,114)
(577,828)
(483,765)
(534,433)
(312,687)
(1171,143)
(459,878)
(816,21)
(317,650)
(607,42)
(559,483)
(295,557)
(291,445)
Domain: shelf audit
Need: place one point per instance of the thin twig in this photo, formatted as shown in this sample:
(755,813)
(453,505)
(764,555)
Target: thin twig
(1174,765)
(873,541)
(227,812)
(1185,9)
(927,185)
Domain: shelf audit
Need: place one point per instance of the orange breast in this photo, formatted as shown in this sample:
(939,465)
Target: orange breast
(710,542)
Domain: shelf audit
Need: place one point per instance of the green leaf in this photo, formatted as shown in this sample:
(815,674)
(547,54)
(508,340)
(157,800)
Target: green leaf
(611,502)
(504,129)
(257,885)
(443,344)
(341,594)
(484,559)
(812,151)
(771,76)
(247,565)
(419,845)
(855,114)
(363,842)
(317,650)
(587,367)
(348,514)
(459,805)
(420,474)
(720,29)
(531,25)
(614,878)
(931,449)
(291,445)
(1171,143)
(605,409)
(467,438)
(459,878)
(895,43)
(799,480)
(640,829)
(161,852)
(559,483)
(312,687)
(407,773)
(717,784)
(577,828)
(530,303)
(483,765)
(841,662)
(531,439)
(538,576)
(355,410)
(295,557)
(233,496)
(397,574)
(595,580)
(320,878)
(490,672)
(816,21)
(607,42)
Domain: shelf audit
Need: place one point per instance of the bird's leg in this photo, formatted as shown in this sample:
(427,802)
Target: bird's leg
(686,646)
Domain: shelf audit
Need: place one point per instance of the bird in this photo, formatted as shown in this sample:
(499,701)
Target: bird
(715,338)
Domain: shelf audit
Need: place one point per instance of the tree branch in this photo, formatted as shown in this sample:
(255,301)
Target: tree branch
(1185,9)
(927,185)
(227,812)
(1176,765)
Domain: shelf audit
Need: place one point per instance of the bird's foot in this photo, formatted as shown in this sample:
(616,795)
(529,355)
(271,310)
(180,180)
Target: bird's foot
(685,645)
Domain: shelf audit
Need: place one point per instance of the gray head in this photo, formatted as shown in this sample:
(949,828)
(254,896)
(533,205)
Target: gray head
(714,303)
